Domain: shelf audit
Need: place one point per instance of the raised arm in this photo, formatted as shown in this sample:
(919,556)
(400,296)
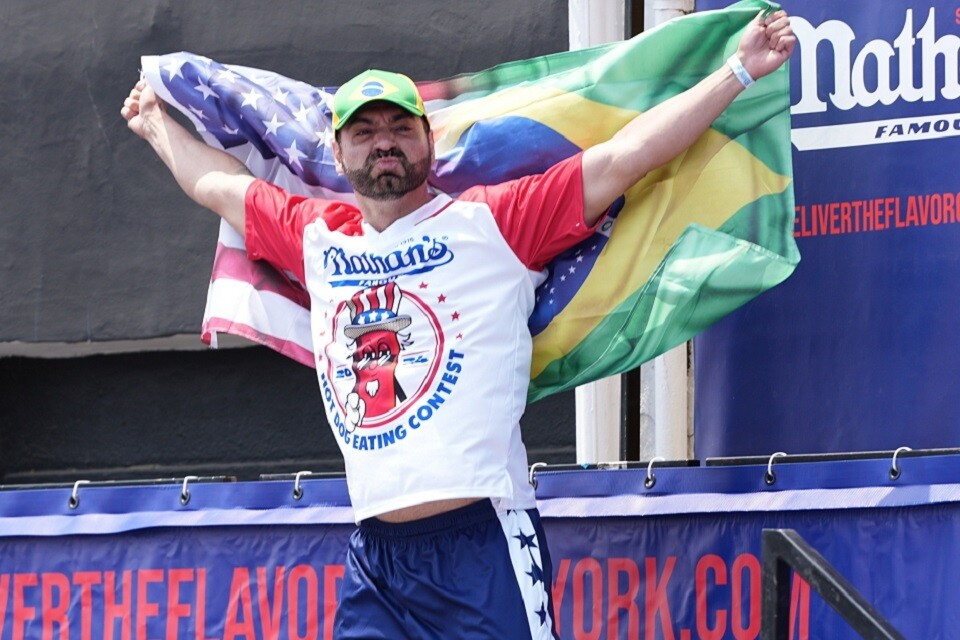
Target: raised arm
(655,137)
(212,178)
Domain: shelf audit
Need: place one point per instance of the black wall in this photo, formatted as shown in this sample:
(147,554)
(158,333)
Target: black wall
(97,243)
(236,412)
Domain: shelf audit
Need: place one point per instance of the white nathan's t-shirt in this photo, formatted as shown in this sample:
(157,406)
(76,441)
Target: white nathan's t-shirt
(420,331)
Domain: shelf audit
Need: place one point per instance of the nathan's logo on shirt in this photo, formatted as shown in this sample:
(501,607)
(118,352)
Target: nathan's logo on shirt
(418,256)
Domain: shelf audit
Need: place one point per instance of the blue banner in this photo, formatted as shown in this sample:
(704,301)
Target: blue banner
(857,350)
(676,558)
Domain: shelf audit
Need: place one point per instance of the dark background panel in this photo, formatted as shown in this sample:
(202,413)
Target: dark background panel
(235,412)
(96,241)
(98,244)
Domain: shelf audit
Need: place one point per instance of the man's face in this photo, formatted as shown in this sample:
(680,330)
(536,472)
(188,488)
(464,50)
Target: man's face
(384,151)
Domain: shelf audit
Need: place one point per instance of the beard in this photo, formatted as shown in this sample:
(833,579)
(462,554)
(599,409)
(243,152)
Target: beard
(388,185)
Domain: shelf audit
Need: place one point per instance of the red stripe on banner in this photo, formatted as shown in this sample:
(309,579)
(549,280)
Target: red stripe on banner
(285,347)
(233,264)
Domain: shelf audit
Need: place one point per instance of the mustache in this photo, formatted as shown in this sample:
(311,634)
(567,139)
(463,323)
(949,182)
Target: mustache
(386,153)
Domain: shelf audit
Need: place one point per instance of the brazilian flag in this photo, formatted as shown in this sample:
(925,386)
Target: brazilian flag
(686,245)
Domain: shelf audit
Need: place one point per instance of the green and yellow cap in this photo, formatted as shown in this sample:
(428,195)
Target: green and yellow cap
(375,85)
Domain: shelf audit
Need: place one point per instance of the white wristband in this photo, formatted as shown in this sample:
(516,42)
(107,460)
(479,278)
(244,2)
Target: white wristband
(739,70)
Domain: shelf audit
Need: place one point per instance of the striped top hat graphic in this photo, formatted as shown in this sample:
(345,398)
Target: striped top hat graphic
(376,309)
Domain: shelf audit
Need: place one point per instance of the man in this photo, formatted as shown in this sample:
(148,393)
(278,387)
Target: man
(419,308)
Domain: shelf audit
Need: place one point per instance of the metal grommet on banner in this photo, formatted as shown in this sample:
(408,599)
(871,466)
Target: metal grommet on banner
(651,480)
(533,471)
(74,500)
(297,489)
(770,477)
(894,469)
(184,492)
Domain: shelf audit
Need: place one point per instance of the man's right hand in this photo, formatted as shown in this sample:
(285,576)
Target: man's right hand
(141,105)
(212,178)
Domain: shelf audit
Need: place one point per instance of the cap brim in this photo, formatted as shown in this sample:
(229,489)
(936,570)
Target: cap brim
(399,323)
(353,110)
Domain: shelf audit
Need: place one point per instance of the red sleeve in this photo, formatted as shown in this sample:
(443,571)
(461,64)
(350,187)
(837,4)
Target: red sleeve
(275,221)
(540,216)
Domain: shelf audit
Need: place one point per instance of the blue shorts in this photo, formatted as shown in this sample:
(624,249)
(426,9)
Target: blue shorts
(470,573)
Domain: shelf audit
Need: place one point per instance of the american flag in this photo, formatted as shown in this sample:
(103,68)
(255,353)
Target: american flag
(281,130)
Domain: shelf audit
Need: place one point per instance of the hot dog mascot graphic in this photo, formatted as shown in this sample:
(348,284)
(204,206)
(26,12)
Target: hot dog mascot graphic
(381,371)
(375,328)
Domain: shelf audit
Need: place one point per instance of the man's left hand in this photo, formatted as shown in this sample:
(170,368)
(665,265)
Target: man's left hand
(766,44)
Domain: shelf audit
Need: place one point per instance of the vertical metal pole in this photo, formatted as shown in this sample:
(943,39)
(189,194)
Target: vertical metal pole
(656,12)
(594,22)
(666,413)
